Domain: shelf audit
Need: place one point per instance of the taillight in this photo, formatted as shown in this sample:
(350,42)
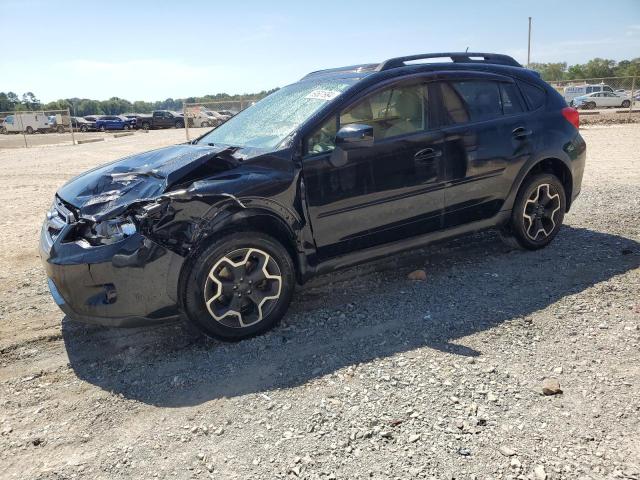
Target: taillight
(572,116)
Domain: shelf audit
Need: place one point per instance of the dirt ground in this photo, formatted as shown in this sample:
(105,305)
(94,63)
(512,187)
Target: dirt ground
(371,375)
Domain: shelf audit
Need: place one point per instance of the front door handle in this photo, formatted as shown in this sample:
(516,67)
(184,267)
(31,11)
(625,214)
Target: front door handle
(521,132)
(427,154)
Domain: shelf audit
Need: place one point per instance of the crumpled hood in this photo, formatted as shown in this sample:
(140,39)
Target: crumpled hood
(107,190)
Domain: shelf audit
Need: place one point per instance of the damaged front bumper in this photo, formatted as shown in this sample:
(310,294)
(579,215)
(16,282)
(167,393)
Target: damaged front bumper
(132,282)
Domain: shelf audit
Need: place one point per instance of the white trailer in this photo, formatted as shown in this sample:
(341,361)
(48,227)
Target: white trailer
(28,122)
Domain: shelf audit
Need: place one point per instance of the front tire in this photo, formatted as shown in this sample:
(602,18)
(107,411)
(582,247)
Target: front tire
(238,287)
(538,211)
(626,104)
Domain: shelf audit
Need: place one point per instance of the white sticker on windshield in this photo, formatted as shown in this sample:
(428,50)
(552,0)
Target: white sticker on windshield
(323,94)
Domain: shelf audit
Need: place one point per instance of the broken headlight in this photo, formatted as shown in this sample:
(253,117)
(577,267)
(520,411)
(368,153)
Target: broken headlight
(107,231)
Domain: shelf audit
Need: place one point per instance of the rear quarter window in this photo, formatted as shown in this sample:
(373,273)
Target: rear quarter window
(534,95)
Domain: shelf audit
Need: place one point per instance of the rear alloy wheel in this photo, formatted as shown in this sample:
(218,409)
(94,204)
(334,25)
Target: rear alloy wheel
(238,287)
(590,105)
(538,211)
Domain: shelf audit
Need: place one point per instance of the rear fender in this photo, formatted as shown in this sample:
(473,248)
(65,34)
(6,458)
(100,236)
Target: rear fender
(526,170)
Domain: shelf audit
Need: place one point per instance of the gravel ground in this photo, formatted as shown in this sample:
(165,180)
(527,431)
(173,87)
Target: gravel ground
(48,139)
(371,375)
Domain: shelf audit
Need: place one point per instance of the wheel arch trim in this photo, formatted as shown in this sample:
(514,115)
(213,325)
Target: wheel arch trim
(548,162)
(257,215)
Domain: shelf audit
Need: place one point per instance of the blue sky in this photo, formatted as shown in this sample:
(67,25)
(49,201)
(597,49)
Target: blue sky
(152,50)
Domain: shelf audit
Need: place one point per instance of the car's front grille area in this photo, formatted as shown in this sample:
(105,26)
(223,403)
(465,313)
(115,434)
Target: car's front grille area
(58,217)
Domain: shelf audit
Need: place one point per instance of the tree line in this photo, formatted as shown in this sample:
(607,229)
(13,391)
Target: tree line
(80,107)
(551,72)
(595,68)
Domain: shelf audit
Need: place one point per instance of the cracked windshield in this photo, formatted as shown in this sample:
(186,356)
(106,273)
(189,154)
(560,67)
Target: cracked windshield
(268,122)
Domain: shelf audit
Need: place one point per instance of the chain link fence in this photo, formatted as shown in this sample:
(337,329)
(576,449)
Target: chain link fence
(613,96)
(24,129)
(202,117)
(20,129)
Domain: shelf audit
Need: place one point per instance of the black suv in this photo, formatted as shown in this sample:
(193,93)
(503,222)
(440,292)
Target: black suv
(344,166)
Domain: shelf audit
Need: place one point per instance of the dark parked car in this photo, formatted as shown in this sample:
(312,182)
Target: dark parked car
(83,125)
(162,119)
(343,166)
(114,122)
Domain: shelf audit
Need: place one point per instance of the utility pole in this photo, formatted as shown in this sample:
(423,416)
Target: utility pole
(529,45)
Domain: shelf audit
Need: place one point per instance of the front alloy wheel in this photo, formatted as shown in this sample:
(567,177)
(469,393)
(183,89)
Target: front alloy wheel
(243,287)
(237,287)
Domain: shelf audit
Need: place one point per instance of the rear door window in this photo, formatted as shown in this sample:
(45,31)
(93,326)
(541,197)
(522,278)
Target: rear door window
(511,100)
(454,108)
(482,98)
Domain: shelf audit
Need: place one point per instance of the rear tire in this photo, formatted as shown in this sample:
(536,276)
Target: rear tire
(29,130)
(145,125)
(590,105)
(238,287)
(538,211)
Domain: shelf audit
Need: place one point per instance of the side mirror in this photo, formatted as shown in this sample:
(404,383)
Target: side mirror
(353,136)
(348,138)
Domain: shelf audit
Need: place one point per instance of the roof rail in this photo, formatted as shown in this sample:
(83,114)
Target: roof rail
(457,57)
(364,67)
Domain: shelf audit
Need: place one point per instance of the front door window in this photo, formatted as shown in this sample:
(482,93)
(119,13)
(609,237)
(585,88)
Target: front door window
(392,112)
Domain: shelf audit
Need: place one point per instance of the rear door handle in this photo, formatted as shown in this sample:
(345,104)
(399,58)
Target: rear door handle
(521,132)
(427,154)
